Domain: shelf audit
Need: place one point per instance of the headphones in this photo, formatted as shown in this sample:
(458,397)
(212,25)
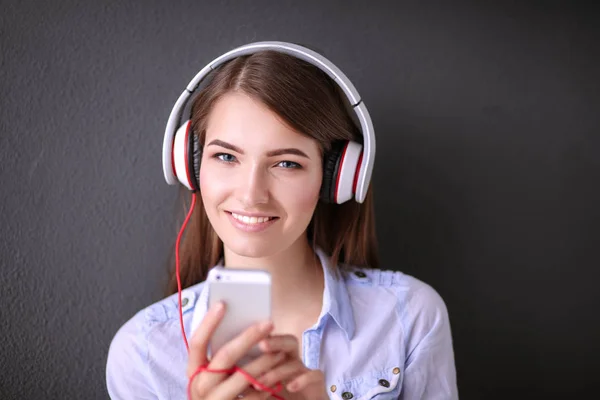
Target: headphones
(347,168)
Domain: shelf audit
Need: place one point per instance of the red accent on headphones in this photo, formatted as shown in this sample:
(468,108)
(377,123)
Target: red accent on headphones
(187,149)
(339,174)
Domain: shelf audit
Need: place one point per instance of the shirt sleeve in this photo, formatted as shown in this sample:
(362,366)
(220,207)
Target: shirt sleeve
(127,364)
(429,371)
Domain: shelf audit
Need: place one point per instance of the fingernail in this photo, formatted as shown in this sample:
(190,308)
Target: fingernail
(266,326)
(218,307)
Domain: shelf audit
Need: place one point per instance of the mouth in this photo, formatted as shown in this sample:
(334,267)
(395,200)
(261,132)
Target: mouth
(254,223)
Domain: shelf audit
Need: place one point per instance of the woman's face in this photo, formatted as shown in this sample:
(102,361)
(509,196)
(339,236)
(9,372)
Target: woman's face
(259,179)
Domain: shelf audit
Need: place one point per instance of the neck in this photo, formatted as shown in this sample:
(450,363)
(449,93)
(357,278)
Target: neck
(297,281)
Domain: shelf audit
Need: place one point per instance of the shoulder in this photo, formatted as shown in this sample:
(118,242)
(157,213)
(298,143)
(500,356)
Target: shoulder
(420,307)
(160,312)
(417,327)
(408,289)
(130,349)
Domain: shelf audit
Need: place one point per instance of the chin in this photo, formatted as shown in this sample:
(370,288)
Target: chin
(253,249)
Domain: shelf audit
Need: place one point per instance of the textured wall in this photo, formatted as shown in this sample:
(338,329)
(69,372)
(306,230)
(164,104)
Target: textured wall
(486,177)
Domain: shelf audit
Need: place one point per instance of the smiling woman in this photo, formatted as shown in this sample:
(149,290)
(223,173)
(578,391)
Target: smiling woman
(275,159)
(273,120)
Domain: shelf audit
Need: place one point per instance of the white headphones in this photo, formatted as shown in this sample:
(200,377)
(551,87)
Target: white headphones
(347,168)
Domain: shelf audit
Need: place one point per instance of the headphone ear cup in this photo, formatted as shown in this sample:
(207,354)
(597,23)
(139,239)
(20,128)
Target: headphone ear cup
(340,172)
(181,155)
(331,165)
(186,156)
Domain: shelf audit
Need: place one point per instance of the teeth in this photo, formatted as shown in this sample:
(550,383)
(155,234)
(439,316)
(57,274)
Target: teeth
(251,220)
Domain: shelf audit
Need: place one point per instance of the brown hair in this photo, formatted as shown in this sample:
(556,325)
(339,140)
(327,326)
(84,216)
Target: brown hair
(311,103)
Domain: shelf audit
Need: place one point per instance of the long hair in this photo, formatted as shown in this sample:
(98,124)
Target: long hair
(308,100)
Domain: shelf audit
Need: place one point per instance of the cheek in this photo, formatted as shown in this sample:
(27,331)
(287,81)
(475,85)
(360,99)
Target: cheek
(212,187)
(301,198)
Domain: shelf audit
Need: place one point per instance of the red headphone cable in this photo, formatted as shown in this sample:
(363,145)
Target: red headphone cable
(248,377)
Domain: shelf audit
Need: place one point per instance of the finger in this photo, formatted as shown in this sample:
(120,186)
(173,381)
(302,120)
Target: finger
(248,394)
(201,337)
(239,381)
(285,343)
(251,394)
(312,377)
(283,372)
(228,355)
(263,395)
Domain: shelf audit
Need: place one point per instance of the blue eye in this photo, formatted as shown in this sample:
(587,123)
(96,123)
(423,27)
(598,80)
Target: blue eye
(289,164)
(225,157)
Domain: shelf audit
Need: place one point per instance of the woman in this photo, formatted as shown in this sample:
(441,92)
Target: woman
(266,127)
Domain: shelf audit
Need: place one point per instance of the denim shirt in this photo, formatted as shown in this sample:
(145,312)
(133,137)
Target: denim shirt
(380,335)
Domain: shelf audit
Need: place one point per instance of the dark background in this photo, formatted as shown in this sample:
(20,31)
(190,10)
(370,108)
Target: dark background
(486,178)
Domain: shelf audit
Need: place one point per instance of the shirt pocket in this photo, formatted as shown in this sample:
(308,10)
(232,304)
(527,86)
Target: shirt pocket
(384,384)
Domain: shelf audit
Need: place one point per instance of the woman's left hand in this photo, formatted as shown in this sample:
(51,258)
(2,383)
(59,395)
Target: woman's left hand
(292,373)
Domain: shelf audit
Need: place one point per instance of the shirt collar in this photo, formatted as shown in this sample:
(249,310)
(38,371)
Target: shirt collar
(336,301)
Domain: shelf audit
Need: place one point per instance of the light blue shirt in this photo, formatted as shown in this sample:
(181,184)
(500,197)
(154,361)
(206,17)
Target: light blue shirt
(380,335)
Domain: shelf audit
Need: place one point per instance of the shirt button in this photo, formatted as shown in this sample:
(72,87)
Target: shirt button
(360,274)
(347,395)
(333,388)
(384,383)
(184,302)
(396,371)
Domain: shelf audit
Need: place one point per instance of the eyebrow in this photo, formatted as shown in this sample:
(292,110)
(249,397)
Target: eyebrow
(272,153)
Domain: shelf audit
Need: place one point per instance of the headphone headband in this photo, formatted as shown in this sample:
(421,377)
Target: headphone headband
(303,53)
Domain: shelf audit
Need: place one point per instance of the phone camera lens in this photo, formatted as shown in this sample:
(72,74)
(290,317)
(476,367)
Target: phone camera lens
(218,277)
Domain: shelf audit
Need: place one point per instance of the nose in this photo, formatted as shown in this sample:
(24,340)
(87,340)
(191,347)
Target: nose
(253,187)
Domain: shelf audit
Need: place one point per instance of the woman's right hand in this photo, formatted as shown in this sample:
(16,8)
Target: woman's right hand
(220,386)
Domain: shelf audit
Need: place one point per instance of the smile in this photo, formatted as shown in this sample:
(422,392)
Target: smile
(249,224)
(251,220)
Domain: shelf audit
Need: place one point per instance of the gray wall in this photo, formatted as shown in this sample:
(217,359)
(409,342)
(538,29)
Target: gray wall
(486,178)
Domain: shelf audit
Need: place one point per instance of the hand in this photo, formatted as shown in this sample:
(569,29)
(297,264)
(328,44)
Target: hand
(309,384)
(222,386)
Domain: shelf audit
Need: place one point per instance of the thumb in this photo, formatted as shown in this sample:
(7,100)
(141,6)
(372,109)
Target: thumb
(201,337)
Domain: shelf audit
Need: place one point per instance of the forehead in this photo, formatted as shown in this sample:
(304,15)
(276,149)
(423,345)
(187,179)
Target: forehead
(244,121)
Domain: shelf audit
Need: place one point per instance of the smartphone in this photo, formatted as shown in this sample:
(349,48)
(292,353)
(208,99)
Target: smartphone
(247,297)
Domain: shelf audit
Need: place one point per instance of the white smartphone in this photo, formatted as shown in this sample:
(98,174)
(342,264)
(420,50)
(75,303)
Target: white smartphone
(247,297)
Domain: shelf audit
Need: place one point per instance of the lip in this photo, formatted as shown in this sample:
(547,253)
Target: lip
(252,228)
